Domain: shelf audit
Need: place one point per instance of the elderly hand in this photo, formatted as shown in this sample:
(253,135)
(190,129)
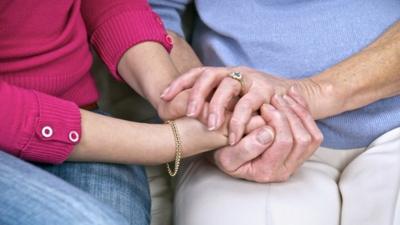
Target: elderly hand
(264,157)
(258,89)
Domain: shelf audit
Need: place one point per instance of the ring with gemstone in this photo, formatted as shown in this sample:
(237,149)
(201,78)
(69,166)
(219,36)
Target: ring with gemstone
(239,77)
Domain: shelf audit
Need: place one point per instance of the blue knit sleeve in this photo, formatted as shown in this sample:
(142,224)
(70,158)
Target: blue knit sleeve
(171,12)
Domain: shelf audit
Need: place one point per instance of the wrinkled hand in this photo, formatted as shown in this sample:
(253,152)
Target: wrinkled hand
(209,81)
(264,157)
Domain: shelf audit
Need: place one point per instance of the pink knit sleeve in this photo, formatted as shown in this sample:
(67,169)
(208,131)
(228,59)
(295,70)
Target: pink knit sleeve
(115,26)
(37,127)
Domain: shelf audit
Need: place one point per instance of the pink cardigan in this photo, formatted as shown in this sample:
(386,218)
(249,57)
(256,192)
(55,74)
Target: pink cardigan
(45,62)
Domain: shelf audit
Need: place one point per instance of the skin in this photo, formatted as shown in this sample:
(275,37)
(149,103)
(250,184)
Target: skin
(273,158)
(132,144)
(106,139)
(366,77)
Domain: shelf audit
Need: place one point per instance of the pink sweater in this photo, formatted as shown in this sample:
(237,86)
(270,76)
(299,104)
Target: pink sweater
(45,62)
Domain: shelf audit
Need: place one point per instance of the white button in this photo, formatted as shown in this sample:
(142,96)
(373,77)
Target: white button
(47,131)
(73,136)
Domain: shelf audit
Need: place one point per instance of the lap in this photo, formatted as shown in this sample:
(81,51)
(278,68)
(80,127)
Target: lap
(97,194)
(122,187)
(370,184)
(31,196)
(205,195)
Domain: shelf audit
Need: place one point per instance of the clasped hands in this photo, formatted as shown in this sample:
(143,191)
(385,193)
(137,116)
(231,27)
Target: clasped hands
(268,122)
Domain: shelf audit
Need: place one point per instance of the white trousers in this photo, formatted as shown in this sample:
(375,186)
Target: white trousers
(347,187)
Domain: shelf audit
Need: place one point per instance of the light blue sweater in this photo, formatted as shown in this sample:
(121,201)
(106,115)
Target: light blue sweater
(295,39)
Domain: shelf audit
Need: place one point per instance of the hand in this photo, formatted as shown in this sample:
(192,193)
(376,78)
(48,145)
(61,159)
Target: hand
(259,88)
(175,108)
(263,158)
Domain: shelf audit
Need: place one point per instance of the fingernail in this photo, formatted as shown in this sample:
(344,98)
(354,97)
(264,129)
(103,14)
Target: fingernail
(212,121)
(232,138)
(165,92)
(191,109)
(264,136)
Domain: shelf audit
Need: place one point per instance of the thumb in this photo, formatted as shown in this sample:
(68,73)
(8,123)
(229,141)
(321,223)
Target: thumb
(230,158)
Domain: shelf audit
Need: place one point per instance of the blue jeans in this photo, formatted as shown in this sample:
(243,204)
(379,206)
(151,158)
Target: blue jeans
(72,193)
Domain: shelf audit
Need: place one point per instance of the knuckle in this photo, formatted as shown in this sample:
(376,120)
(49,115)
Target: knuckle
(235,122)
(304,139)
(264,176)
(285,173)
(283,177)
(319,138)
(195,70)
(286,142)
(208,72)
(304,113)
(278,115)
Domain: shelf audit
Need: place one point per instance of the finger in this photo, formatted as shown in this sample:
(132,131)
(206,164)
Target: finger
(177,107)
(232,103)
(301,137)
(256,121)
(203,117)
(294,93)
(250,147)
(242,112)
(276,155)
(202,88)
(308,122)
(181,83)
(226,91)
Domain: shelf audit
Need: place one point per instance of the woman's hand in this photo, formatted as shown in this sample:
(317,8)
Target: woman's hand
(258,89)
(174,109)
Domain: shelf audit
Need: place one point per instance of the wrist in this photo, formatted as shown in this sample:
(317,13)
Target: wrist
(148,69)
(196,138)
(323,97)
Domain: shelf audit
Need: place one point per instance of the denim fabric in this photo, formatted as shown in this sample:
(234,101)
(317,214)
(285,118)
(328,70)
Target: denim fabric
(72,193)
(122,187)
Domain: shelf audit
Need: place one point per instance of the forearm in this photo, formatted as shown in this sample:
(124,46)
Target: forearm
(182,54)
(148,69)
(369,76)
(106,139)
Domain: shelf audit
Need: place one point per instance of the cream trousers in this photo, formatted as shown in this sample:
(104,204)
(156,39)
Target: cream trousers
(347,187)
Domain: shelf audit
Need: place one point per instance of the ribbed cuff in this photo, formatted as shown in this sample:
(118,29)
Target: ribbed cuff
(114,37)
(57,130)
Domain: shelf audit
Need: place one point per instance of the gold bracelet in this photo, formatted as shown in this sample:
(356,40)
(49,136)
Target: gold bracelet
(178,149)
